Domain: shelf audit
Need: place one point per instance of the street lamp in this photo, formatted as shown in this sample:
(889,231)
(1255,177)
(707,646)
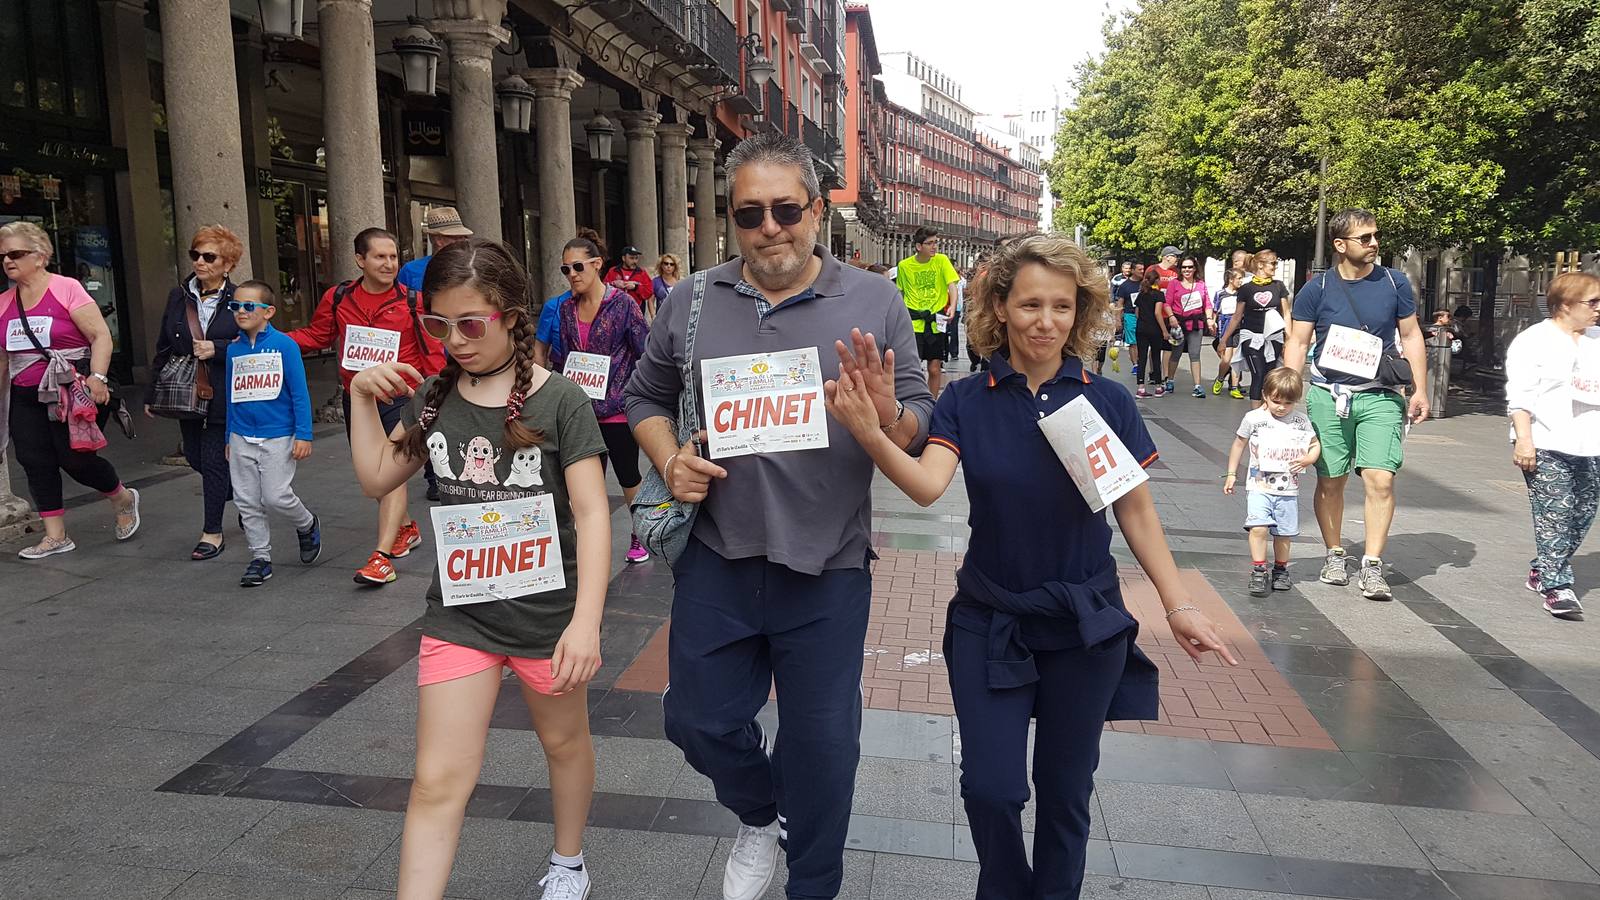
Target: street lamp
(282,19)
(419,53)
(692,170)
(761,69)
(516,104)
(600,131)
(722,180)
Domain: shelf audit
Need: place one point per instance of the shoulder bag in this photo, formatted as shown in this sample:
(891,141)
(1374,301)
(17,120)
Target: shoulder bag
(662,521)
(182,389)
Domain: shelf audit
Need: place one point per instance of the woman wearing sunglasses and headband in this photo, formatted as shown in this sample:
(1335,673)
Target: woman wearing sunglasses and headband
(602,337)
(191,326)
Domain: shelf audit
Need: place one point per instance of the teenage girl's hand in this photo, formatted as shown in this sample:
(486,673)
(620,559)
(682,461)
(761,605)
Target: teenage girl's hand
(385,382)
(847,401)
(1198,635)
(577,657)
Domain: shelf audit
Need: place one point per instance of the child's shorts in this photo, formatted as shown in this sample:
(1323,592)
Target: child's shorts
(443,661)
(1275,511)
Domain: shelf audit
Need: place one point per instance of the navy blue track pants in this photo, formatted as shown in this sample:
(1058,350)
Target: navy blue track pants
(739,627)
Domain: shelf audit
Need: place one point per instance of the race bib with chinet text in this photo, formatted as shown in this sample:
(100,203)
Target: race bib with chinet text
(764,403)
(1351,352)
(497,551)
(366,347)
(258,376)
(590,371)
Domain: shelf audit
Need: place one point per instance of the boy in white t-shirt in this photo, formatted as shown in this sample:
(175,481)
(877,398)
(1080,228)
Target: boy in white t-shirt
(1282,444)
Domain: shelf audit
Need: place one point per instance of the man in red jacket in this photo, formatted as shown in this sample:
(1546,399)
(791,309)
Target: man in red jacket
(365,322)
(631,278)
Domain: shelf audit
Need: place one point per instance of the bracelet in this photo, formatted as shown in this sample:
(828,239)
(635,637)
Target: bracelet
(667,473)
(899,413)
(1230,474)
(1180,609)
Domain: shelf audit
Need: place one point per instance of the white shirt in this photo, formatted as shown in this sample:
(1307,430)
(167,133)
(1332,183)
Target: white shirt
(1539,370)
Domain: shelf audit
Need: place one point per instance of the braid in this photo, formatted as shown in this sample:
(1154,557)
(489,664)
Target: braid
(519,435)
(414,443)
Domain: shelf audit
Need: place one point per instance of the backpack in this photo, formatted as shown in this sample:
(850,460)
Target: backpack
(345,288)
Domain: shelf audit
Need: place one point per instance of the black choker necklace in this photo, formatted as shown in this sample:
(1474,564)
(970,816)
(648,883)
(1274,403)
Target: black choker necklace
(478,376)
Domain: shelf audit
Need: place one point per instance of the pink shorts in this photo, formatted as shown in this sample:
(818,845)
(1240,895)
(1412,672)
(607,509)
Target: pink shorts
(444,661)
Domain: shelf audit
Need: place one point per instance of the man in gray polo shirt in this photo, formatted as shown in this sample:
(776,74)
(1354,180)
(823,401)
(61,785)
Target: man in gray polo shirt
(774,586)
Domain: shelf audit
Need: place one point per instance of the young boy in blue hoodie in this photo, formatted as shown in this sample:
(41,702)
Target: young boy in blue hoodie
(269,429)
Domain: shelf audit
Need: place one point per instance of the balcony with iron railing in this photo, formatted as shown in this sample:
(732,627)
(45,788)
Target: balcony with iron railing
(747,99)
(772,107)
(811,43)
(795,19)
(714,39)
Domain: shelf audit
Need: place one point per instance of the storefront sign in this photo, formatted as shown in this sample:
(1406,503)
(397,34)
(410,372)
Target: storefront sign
(424,132)
(40,151)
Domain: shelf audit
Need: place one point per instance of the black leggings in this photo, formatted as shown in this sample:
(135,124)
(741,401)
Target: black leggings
(1150,350)
(623,452)
(204,445)
(1256,361)
(44,451)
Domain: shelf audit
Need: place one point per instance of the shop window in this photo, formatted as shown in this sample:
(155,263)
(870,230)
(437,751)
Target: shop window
(51,61)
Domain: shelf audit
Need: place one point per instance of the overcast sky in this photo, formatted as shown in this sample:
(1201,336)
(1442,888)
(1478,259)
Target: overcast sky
(1000,51)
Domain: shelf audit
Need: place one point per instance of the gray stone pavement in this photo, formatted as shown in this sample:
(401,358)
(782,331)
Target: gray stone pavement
(167,734)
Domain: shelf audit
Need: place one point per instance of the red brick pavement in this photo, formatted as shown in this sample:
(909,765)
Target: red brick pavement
(904,668)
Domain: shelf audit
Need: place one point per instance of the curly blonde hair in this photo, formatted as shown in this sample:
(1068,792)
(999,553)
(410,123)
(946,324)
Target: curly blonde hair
(986,334)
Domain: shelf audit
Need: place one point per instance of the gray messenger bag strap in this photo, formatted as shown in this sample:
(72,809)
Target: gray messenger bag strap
(662,521)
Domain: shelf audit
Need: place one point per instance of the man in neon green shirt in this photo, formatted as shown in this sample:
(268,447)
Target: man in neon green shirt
(928,282)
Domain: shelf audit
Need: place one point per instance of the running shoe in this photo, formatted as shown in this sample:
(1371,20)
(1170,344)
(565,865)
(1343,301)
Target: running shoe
(1141,392)
(562,883)
(378,570)
(407,538)
(1333,571)
(1136,370)
(1534,583)
(310,542)
(636,552)
(1280,579)
(1216,386)
(1160,391)
(1198,393)
(256,574)
(1172,386)
(48,547)
(1259,586)
(1563,604)
(127,531)
(1236,394)
(1371,581)
(752,863)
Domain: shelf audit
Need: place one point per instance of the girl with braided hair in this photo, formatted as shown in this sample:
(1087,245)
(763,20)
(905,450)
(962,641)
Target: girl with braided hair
(602,337)
(517,450)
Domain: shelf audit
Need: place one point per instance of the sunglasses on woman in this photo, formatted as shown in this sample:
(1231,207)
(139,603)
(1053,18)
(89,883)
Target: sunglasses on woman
(15,255)
(196,256)
(246,306)
(577,267)
(750,217)
(471,328)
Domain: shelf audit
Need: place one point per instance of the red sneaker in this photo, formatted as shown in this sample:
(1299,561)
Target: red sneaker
(378,570)
(407,538)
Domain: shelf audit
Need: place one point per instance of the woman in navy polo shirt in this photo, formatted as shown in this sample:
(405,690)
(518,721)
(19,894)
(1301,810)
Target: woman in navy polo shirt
(1037,629)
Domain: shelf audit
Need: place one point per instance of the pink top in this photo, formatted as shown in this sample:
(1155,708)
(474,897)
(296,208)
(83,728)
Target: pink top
(61,298)
(583,346)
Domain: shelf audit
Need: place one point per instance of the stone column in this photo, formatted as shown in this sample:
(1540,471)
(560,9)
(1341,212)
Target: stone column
(674,191)
(474,153)
(640,127)
(149,267)
(552,123)
(350,122)
(202,121)
(705,203)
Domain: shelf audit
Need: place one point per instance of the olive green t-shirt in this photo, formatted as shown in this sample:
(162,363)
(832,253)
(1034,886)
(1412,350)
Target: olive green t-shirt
(465,445)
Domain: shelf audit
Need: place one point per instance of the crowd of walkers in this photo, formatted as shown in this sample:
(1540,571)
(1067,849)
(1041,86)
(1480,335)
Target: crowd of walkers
(513,409)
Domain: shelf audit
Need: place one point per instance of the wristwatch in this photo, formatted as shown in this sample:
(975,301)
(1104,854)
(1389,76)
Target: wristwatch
(103,379)
(899,413)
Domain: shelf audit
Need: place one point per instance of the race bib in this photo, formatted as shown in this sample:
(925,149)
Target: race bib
(1586,373)
(256,377)
(1097,460)
(590,371)
(764,403)
(1351,352)
(497,551)
(1191,301)
(1278,447)
(17,339)
(366,347)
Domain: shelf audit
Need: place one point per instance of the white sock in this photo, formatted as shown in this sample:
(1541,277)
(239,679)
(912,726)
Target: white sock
(1371,560)
(574,863)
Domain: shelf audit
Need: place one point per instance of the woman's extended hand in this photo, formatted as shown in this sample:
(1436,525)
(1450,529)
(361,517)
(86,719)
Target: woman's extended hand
(386,381)
(1198,635)
(851,404)
(577,657)
(877,370)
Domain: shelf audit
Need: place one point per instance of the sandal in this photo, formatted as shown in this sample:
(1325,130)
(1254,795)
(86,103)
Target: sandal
(127,531)
(207,550)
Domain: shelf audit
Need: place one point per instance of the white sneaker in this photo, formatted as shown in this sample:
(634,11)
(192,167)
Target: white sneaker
(562,883)
(752,864)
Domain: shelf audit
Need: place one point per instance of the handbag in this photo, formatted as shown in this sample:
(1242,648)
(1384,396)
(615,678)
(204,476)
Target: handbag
(661,520)
(182,389)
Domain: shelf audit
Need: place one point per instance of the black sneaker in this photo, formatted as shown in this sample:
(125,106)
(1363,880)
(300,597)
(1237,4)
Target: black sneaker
(1280,579)
(310,541)
(1258,583)
(256,574)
